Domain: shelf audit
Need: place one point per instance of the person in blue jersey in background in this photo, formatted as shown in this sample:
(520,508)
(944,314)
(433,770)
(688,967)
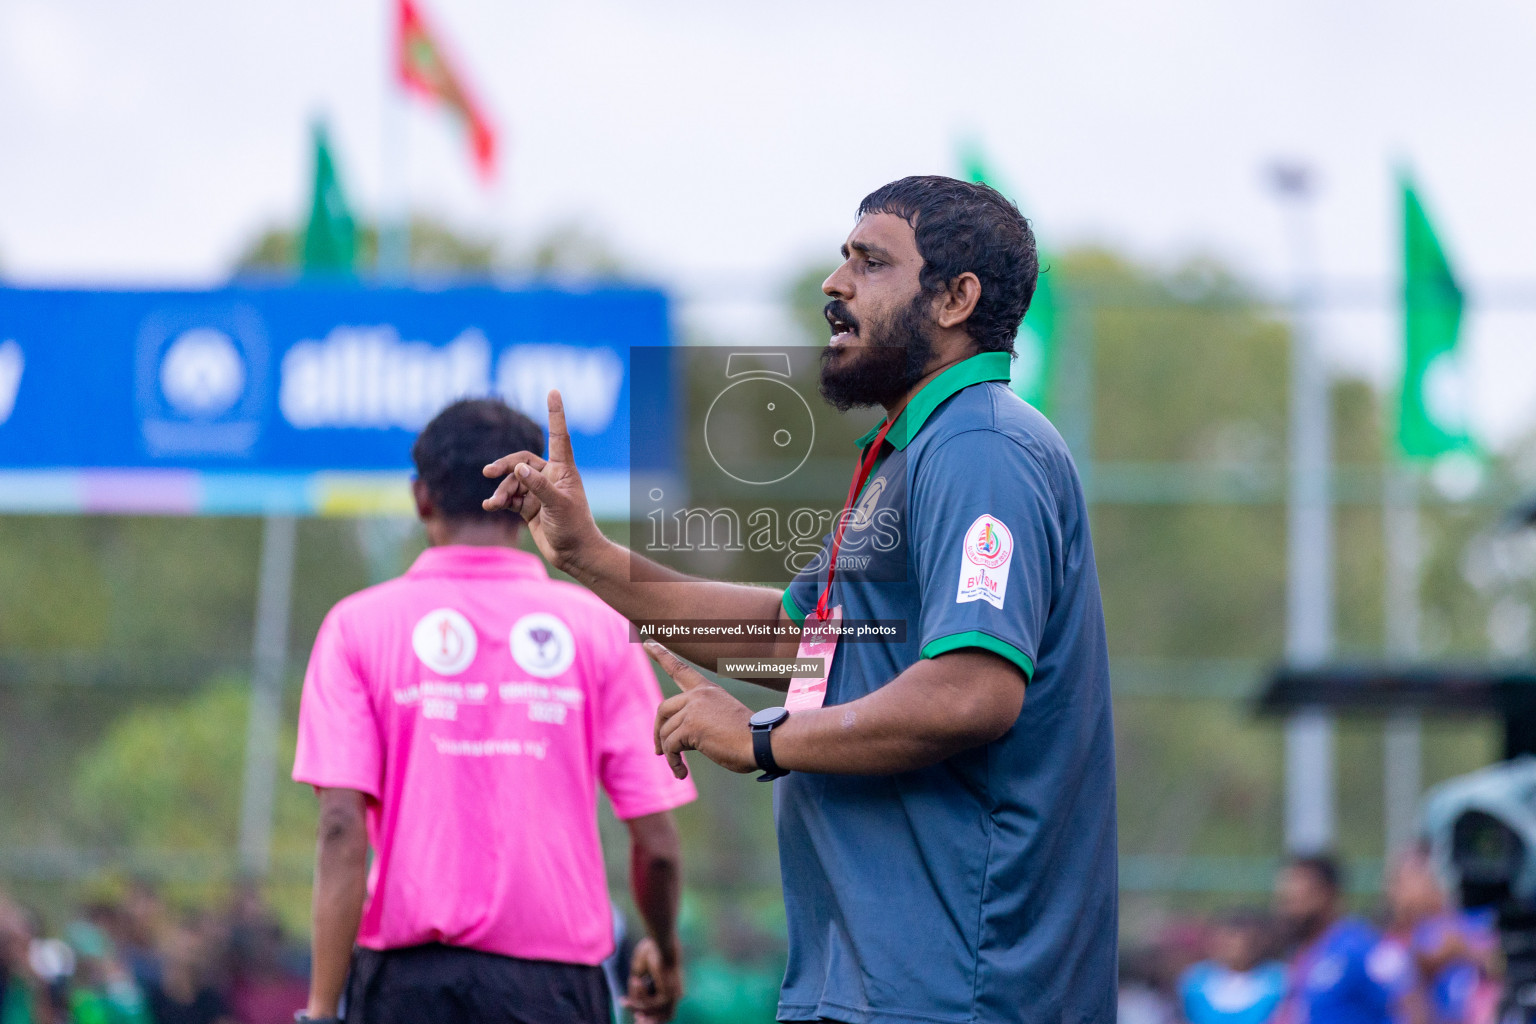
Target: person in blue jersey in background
(1453,951)
(1238,984)
(1342,972)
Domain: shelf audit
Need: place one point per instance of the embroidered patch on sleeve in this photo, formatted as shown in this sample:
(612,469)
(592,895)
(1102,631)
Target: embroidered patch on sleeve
(984,559)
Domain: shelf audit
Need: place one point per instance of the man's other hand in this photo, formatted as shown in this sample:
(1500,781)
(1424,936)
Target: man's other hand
(704,717)
(547,493)
(655,982)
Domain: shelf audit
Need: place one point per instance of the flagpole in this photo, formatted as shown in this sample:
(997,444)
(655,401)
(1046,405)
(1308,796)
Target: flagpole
(1309,734)
(1402,734)
(1425,428)
(394,259)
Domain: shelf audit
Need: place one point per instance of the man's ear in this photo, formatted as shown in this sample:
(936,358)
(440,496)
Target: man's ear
(424,508)
(958,300)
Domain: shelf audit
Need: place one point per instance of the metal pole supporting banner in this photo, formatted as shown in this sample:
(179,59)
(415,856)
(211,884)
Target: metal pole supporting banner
(269,657)
(1402,734)
(1309,734)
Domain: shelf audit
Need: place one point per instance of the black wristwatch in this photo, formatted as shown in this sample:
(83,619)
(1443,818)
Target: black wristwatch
(303,1018)
(763,723)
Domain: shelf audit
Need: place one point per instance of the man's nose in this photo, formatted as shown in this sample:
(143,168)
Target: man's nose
(839,284)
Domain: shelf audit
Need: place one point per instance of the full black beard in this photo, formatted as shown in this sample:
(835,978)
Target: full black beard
(895,359)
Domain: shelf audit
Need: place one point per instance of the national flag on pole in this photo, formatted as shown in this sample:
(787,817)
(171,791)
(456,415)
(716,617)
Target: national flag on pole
(1035,344)
(426,70)
(1432,408)
(330,237)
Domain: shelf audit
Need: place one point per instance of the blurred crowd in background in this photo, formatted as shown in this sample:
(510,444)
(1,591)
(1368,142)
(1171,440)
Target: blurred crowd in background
(139,958)
(136,959)
(1416,958)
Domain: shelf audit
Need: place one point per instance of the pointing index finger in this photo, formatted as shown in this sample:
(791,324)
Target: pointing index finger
(681,672)
(559,436)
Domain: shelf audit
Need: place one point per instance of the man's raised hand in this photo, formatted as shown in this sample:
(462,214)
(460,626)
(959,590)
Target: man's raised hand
(704,717)
(547,493)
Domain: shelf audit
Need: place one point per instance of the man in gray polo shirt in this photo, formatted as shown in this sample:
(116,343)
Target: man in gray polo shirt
(947,845)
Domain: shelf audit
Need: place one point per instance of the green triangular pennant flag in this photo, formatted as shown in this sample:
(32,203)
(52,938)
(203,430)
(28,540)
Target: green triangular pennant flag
(1432,410)
(1035,344)
(330,238)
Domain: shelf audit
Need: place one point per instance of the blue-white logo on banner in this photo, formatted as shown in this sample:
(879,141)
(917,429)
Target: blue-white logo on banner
(201,379)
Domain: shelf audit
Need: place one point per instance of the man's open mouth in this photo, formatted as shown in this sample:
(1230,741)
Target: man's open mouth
(843,331)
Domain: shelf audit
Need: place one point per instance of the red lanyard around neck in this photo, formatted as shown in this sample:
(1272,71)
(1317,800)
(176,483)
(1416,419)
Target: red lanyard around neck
(866,466)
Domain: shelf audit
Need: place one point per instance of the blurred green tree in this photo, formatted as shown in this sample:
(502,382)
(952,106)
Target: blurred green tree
(162,791)
(805,299)
(437,249)
(105,615)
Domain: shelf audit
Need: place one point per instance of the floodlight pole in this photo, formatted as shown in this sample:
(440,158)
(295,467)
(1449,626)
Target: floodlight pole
(1309,734)
(269,658)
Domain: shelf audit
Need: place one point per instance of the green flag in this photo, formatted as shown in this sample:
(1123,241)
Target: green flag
(330,238)
(1035,343)
(1432,411)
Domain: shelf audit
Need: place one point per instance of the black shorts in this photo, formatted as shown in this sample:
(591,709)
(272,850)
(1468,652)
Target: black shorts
(437,984)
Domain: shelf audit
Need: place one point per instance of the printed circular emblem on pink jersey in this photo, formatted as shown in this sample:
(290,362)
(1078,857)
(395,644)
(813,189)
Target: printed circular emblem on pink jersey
(988,542)
(444,641)
(542,645)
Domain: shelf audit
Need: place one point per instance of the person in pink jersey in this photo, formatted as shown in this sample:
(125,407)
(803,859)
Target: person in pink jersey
(459,720)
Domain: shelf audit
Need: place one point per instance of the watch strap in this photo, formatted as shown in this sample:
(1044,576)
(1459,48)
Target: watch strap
(762,753)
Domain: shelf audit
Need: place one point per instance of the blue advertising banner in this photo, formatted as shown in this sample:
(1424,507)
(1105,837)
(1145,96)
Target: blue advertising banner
(297,399)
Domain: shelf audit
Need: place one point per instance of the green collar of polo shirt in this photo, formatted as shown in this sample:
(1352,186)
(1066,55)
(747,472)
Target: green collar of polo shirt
(975,370)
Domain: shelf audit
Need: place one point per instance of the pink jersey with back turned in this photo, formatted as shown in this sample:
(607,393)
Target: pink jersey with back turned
(479,705)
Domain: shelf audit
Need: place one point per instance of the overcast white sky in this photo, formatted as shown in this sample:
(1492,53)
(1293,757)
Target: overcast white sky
(722,145)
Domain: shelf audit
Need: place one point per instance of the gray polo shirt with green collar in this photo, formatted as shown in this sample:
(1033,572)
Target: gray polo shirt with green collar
(983,888)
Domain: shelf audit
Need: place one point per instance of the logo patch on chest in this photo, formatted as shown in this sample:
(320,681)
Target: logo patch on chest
(864,508)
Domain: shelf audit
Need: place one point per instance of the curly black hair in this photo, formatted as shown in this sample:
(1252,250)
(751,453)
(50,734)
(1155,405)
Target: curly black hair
(451,451)
(963,226)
